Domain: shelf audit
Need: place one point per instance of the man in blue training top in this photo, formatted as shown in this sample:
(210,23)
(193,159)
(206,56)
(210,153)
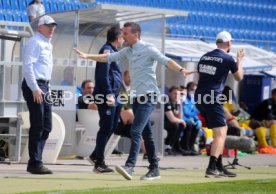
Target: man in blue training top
(213,70)
(193,123)
(108,81)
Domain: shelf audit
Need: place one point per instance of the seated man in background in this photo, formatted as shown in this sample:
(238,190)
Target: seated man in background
(173,122)
(264,116)
(84,103)
(236,117)
(190,116)
(87,87)
(233,106)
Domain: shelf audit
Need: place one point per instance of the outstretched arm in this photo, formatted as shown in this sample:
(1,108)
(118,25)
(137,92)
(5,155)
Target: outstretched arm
(95,57)
(176,67)
(238,76)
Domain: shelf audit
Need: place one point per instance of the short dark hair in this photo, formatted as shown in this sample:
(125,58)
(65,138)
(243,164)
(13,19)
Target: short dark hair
(219,41)
(173,88)
(181,87)
(273,91)
(85,82)
(135,28)
(113,33)
(191,84)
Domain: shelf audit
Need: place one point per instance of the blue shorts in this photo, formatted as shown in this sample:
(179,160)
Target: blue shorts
(213,114)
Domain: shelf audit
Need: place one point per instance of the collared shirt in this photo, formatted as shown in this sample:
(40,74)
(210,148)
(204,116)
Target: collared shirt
(171,106)
(142,58)
(37,60)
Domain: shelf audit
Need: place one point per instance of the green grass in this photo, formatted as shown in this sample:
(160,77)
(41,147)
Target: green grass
(257,180)
(241,186)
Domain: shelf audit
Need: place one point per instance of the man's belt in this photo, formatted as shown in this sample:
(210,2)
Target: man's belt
(43,81)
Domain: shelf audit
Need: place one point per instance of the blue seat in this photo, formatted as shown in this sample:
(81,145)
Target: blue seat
(53,6)
(191,18)
(6,4)
(187,32)
(173,31)
(60,6)
(22,5)
(83,5)
(47,7)
(14,5)
(17,16)
(193,32)
(24,17)
(273,47)
(1,15)
(7,15)
(75,5)
(68,5)
(212,7)
(216,21)
(181,30)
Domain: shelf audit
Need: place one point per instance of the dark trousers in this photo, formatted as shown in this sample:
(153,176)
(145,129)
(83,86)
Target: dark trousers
(189,137)
(109,117)
(173,132)
(142,127)
(40,123)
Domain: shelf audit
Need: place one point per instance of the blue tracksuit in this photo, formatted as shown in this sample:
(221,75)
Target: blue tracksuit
(108,76)
(190,113)
(108,80)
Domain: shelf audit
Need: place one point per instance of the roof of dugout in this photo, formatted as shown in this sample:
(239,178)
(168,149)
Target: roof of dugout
(256,59)
(110,14)
(95,20)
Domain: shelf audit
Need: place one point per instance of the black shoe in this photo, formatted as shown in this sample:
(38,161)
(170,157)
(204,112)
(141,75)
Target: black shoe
(117,152)
(152,174)
(212,173)
(169,152)
(39,170)
(186,152)
(92,159)
(101,167)
(194,153)
(125,171)
(226,173)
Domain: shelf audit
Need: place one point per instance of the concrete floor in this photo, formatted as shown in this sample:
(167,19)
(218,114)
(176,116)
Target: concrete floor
(68,166)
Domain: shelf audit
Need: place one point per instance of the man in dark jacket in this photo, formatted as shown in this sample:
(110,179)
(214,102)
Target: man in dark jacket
(264,116)
(108,81)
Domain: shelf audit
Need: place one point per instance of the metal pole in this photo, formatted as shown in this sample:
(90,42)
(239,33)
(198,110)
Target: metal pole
(163,79)
(76,44)
(18,139)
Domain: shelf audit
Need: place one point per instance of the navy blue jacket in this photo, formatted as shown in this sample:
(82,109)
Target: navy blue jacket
(213,69)
(108,76)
